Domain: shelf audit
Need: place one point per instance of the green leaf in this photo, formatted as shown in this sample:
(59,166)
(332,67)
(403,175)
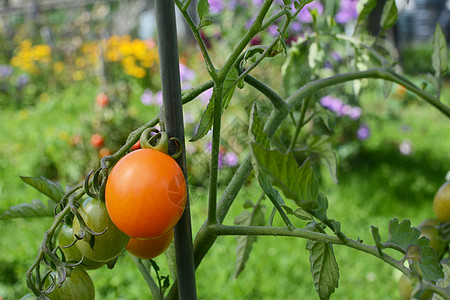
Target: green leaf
(365,12)
(324,268)
(229,85)
(443,282)
(297,183)
(49,188)
(202,9)
(204,23)
(206,121)
(28,210)
(319,145)
(245,242)
(389,15)
(439,57)
(403,235)
(256,131)
(257,134)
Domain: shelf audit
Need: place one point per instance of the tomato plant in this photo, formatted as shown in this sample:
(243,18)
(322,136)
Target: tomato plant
(71,252)
(145,193)
(150,248)
(109,243)
(77,285)
(441,202)
(287,143)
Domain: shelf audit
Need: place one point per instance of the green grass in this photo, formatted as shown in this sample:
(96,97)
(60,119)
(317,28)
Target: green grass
(375,186)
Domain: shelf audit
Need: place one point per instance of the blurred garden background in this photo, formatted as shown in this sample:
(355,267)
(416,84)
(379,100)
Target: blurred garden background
(76,77)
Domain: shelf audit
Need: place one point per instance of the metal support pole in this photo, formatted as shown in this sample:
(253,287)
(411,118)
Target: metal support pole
(173,115)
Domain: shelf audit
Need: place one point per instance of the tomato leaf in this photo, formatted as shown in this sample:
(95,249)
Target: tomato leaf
(319,145)
(229,85)
(28,210)
(324,268)
(297,183)
(256,131)
(52,189)
(202,9)
(245,242)
(365,12)
(205,122)
(389,15)
(403,235)
(439,57)
(443,282)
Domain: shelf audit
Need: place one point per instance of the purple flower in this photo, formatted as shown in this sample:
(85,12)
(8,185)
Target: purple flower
(158,98)
(215,6)
(305,16)
(147,97)
(206,96)
(336,56)
(363,132)
(355,113)
(6,71)
(347,11)
(186,74)
(22,81)
(230,159)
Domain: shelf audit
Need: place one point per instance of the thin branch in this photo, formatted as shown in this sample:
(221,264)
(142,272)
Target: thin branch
(209,64)
(154,289)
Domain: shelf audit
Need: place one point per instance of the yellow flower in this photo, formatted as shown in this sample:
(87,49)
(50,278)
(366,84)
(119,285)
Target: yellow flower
(78,75)
(58,67)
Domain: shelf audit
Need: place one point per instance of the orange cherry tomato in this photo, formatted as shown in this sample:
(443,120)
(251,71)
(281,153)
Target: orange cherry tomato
(136,146)
(145,193)
(150,248)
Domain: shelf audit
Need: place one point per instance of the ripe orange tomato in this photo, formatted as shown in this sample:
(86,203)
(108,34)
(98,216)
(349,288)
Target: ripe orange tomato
(150,248)
(102,100)
(97,140)
(136,146)
(145,193)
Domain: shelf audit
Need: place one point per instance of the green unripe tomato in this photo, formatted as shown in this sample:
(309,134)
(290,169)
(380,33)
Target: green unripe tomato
(429,229)
(406,288)
(108,245)
(77,285)
(72,253)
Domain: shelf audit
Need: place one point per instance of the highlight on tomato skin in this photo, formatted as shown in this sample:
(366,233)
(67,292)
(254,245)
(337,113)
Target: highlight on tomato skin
(150,248)
(145,193)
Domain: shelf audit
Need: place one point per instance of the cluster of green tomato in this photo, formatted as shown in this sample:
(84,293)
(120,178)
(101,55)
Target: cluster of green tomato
(430,229)
(145,197)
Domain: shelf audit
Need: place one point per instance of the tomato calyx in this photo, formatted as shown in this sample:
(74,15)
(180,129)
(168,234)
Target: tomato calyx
(86,233)
(152,138)
(97,183)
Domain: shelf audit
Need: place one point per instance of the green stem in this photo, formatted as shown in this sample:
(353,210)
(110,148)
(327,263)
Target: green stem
(209,64)
(381,73)
(274,98)
(49,234)
(214,165)
(281,211)
(255,28)
(156,292)
(219,230)
(300,123)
